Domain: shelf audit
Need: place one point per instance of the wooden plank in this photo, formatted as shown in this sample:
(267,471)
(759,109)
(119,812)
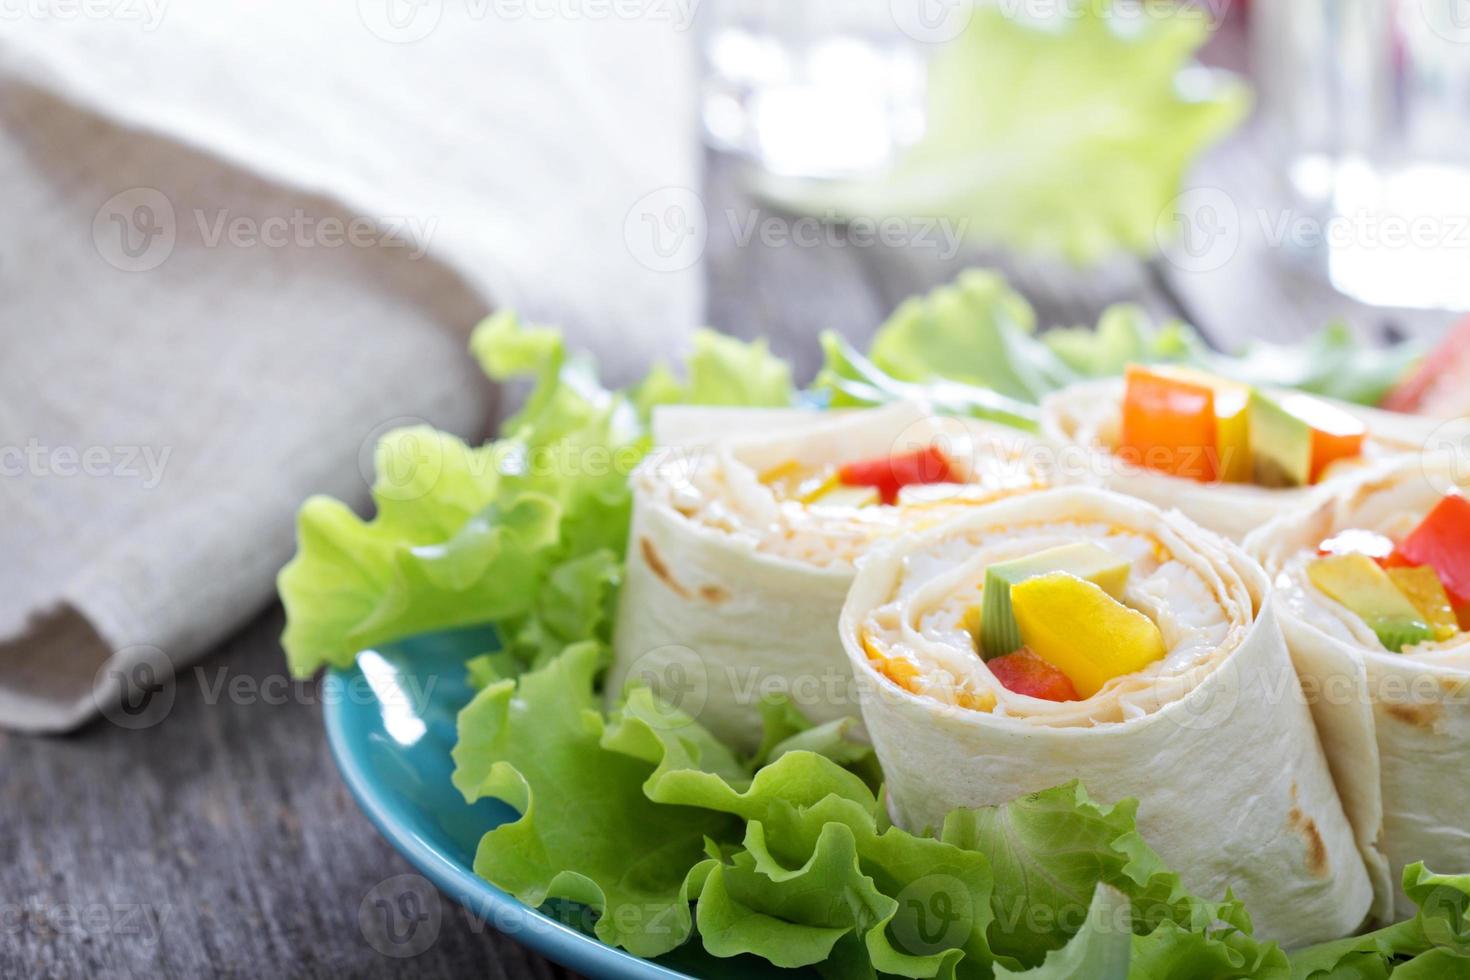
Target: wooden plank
(219,841)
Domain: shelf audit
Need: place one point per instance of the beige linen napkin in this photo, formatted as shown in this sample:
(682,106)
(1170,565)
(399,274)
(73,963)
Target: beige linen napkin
(244,240)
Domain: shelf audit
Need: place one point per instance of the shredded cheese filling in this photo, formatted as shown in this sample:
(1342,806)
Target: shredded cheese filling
(769,506)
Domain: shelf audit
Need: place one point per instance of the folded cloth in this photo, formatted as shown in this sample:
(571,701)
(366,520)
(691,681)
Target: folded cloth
(246,241)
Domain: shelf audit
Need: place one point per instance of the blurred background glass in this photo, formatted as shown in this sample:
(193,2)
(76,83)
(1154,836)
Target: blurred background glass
(1367,101)
(811,90)
(1363,104)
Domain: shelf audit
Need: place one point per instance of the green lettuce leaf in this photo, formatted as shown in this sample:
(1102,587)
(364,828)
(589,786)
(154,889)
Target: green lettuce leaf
(353,583)
(818,869)
(1067,135)
(1124,334)
(848,379)
(526,532)
(1100,950)
(646,818)
(586,832)
(619,814)
(975,330)
(1434,943)
(970,348)
(1051,850)
(720,371)
(1330,362)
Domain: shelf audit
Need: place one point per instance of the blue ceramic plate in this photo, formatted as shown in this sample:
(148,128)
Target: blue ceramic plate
(390,723)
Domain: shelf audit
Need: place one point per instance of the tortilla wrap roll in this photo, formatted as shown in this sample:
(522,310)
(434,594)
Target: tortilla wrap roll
(1395,725)
(1212,737)
(1085,420)
(734,584)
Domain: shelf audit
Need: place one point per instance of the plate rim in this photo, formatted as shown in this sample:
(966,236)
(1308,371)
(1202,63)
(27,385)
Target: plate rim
(495,909)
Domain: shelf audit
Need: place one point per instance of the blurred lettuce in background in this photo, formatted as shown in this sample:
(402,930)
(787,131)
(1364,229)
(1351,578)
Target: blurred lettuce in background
(1069,134)
(971,347)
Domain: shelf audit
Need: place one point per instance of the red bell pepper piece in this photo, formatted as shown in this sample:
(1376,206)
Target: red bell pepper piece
(1442,541)
(1025,673)
(889,474)
(1440,378)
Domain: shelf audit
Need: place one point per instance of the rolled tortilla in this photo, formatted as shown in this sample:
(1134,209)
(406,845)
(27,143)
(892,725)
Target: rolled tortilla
(1396,726)
(732,594)
(1086,421)
(1213,740)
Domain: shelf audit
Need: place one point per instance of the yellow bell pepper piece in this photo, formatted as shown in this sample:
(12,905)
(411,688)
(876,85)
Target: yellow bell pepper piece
(1082,631)
(781,471)
(1422,586)
(1233,433)
(833,492)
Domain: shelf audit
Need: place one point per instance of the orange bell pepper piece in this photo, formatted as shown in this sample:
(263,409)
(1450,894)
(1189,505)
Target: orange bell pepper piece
(1335,434)
(1169,425)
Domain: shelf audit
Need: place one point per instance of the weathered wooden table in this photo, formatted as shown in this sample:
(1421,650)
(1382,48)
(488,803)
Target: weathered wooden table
(221,841)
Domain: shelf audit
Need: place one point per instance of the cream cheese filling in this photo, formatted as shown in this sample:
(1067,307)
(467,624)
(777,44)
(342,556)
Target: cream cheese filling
(720,488)
(1201,617)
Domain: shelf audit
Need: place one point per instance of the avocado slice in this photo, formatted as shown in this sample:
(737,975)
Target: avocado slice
(1281,444)
(1360,585)
(999,632)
